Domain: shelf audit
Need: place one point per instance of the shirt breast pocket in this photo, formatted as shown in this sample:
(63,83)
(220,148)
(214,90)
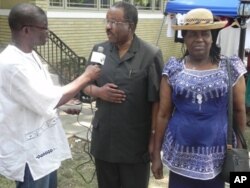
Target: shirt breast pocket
(137,74)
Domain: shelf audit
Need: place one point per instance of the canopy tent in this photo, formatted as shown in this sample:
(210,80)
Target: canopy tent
(227,8)
(218,7)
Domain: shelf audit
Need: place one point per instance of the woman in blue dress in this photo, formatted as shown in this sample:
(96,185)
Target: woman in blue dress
(191,126)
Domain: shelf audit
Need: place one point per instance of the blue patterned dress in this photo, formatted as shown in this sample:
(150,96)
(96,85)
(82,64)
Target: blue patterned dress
(195,140)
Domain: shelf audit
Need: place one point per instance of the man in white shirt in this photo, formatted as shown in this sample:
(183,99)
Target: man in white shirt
(32,140)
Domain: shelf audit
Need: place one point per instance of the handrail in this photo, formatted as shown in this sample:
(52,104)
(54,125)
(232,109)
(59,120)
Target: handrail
(62,60)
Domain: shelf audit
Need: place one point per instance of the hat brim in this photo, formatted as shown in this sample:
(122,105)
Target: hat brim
(215,25)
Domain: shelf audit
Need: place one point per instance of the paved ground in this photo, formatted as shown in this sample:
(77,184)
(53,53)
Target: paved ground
(78,126)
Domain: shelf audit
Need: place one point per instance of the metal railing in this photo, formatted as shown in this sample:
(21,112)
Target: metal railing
(62,60)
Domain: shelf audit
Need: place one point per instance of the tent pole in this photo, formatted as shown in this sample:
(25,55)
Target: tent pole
(159,35)
(241,52)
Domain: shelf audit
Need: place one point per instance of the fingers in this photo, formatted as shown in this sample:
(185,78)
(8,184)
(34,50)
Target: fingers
(113,94)
(116,101)
(157,168)
(111,85)
(158,174)
(117,98)
(95,68)
(72,111)
(93,71)
(96,71)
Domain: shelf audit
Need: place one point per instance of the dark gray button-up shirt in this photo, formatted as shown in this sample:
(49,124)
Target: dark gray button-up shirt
(121,132)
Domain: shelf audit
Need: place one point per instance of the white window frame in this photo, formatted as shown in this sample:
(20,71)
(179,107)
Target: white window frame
(97,5)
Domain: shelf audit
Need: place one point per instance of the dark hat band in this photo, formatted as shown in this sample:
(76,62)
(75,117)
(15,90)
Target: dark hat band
(198,21)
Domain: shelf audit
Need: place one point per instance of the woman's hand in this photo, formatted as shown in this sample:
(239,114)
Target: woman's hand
(157,167)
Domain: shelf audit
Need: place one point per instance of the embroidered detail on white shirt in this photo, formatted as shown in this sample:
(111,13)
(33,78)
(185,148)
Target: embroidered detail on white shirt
(38,132)
(45,153)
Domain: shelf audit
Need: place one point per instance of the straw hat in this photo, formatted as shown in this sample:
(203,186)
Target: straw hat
(199,19)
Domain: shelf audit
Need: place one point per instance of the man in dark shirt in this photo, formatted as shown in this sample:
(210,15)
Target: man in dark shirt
(127,94)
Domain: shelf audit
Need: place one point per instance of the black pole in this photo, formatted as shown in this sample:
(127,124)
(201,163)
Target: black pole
(241,52)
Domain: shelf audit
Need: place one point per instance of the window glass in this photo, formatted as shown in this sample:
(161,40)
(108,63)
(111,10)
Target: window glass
(158,4)
(104,4)
(82,3)
(143,4)
(56,3)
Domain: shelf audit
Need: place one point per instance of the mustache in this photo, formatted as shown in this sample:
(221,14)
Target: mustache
(108,31)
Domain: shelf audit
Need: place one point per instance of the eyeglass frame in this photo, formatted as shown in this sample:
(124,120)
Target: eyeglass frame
(114,23)
(36,26)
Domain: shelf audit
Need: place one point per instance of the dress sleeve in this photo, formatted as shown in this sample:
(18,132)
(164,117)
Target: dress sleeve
(171,67)
(237,68)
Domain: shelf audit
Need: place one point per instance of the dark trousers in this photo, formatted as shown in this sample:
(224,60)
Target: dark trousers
(121,175)
(49,181)
(178,181)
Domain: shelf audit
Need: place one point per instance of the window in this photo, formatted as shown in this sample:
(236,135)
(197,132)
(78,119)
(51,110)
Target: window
(56,3)
(143,4)
(104,4)
(82,3)
(147,4)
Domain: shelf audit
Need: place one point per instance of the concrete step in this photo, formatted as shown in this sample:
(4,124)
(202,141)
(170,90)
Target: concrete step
(54,77)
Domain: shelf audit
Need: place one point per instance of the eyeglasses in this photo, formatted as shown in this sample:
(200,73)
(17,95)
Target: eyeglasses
(36,26)
(114,23)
